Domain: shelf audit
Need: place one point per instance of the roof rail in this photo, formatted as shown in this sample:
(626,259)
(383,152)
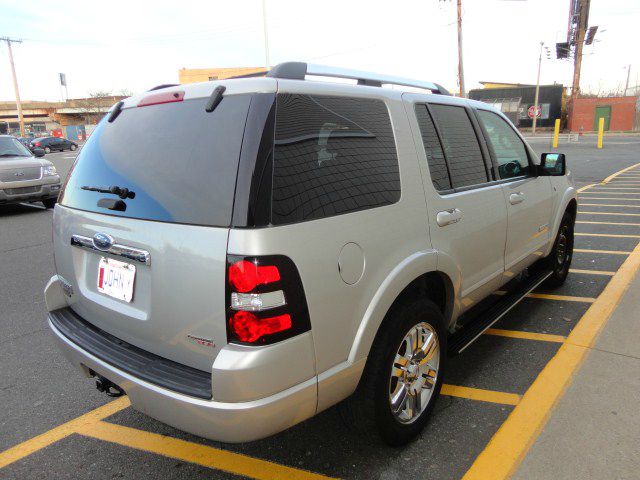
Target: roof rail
(298,71)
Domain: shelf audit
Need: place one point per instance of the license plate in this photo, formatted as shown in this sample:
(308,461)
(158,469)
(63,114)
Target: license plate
(116,279)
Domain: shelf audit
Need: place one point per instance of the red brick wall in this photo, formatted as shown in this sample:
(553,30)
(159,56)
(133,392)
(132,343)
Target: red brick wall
(623,113)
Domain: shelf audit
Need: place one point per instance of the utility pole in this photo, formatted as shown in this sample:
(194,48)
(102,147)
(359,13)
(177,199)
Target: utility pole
(626,87)
(582,10)
(460,67)
(265,30)
(535,101)
(15,82)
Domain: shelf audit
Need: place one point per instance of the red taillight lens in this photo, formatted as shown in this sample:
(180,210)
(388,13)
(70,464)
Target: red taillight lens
(244,276)
(247,327)
(37,144)
(161,97)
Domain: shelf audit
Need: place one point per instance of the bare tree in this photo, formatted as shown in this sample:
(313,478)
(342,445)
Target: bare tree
(93,107)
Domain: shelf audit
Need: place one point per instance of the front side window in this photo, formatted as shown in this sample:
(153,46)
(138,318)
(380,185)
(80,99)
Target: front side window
(461,147)
(506,147)
(333,155)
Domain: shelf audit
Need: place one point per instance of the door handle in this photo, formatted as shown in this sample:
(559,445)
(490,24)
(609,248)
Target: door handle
(448,217)
(516,198)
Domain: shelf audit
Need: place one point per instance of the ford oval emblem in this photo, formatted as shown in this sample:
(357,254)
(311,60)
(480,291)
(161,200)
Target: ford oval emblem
(102,241)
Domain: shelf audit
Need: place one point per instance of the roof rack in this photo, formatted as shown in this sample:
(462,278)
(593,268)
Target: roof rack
(298,71)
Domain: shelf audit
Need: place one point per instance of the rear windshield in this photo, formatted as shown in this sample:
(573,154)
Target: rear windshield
(179,161)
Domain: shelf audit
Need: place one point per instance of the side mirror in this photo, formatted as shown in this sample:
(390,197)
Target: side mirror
(38,152)
(552,165)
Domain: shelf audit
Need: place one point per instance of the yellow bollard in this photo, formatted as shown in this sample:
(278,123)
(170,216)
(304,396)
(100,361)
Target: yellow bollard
(556,133)
(600,131)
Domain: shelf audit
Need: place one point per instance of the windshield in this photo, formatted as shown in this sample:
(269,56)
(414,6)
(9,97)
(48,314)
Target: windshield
(10,147)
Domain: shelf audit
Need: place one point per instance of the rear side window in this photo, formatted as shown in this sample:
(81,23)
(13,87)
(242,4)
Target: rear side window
(461,146)
(333,155)
(506,147)
(433,148)
(180,161)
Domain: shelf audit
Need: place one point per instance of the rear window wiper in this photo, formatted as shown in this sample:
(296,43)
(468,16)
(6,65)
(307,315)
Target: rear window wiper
(114,190)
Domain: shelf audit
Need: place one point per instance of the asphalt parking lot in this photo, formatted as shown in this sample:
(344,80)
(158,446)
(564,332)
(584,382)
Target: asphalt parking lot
(54,424)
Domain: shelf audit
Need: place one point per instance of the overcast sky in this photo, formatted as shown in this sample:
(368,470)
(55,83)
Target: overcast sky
(135,45)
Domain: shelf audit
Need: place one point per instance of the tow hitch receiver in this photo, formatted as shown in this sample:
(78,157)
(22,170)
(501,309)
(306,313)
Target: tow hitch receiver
(108,387)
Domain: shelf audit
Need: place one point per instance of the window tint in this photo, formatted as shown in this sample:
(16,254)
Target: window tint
(433,148)
(333,155)
(506,147)
(461,147)
(180,161)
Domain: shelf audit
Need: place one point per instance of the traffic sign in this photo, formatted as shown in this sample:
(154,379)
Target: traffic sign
(534,111)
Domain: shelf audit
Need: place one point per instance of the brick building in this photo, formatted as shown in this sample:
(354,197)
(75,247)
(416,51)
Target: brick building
(620,113)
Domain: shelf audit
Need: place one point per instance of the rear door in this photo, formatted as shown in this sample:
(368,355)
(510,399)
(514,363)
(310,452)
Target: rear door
(169,228)
(528,197)
(467,213)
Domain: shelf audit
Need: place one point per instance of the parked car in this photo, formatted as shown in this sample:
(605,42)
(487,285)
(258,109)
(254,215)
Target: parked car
(24,178)
(54,144)
(288,244)
(26,141)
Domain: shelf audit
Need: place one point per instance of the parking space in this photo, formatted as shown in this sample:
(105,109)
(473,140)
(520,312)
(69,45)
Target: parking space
(496,394)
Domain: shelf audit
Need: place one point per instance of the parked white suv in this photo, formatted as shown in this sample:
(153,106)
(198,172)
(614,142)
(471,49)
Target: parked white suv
(238,256)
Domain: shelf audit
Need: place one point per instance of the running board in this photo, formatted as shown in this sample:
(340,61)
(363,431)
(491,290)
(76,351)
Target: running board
(470,332)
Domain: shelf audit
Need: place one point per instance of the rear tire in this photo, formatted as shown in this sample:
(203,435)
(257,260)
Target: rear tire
(49,203)
(47,150)
(400,384)
(559,260)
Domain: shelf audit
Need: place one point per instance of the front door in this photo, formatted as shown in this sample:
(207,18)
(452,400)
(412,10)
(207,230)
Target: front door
(528,198)
(602,112)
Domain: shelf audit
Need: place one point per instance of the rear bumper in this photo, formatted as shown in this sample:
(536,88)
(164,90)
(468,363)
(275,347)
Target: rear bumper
(221,421)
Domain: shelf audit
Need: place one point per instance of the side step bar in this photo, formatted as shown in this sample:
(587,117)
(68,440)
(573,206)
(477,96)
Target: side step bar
(460,340)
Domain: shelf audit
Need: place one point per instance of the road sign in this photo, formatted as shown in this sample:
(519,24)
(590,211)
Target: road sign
(534,111)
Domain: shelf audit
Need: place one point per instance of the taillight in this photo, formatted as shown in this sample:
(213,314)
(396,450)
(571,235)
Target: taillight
(265,300)
(161,97)
(37,144)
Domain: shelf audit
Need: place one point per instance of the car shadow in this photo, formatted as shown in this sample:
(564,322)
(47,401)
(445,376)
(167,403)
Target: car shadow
(20,209)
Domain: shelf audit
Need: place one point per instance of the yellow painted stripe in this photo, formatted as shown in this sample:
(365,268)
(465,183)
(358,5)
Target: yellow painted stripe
(602,191)
(592,272)
(614,175)
(608,223)
(58,433)
(509,445)
(565,298)
(608,205)
(610,198)
(480,394)
(610,235)
(544,337)
(611,213)
(620,183)
(610,252)
(582,189)
(206,456)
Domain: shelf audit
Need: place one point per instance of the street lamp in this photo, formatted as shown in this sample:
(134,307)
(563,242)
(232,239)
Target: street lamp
(535,101)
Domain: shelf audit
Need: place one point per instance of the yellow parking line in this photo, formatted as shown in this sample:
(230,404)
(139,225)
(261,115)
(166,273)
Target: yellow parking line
(608,205)
(582,189)
(614,175)
(610,198)
(601,192)
(544,337)
(591,272)
(610,235)
(608,223)
(610,252)
(199,454)
(480,394)
(58,433)
(565,298)
(510,444)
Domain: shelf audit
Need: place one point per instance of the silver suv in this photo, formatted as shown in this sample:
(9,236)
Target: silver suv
(24,178)
(238,256)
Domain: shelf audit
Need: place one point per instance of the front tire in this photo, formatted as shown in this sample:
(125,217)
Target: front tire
(559,260)
(49,203)
(403,375)
(73,148)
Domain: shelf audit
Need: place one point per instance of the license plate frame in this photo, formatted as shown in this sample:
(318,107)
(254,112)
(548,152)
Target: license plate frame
(116,279)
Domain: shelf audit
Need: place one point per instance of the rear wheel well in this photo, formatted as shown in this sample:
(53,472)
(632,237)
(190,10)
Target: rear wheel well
(435,286)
